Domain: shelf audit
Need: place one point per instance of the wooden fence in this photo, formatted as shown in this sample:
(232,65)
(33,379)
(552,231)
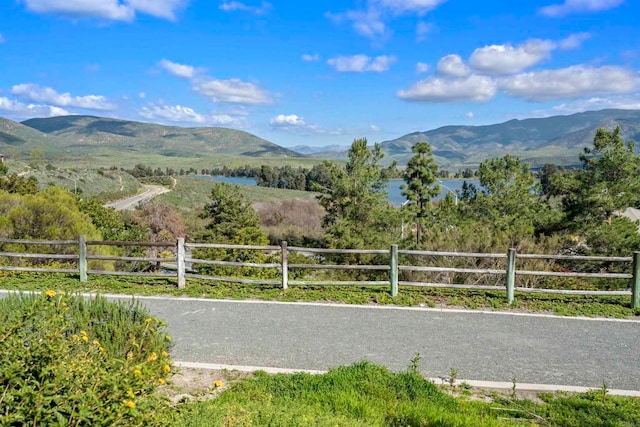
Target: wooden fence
(178,265)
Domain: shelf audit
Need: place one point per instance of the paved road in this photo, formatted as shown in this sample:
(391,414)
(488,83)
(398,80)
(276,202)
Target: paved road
(130,203)
(481,346)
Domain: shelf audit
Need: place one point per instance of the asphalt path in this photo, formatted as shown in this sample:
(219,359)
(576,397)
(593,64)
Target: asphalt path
(130,203)
(479,345)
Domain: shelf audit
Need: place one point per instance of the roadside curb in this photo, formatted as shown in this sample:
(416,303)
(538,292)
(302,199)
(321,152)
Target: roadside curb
(473,383)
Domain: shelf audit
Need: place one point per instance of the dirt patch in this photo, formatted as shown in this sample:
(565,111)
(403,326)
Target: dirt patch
(193,384)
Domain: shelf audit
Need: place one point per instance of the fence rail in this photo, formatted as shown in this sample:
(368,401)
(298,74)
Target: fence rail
(183,260)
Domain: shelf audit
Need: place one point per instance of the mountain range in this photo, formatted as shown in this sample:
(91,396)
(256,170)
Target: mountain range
(556,139)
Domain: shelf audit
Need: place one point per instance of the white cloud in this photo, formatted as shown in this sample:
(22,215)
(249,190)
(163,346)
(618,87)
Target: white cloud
(579,6)
(308,57)
(290,120)
(113,10)
(422,68)
(30,110)
(232,91)
(172,113)
(371,20)
(179,70)
(422,29)
(361,63)
(572,82)
(436,89)
(104,9)
(159,8)
(469,115)
(367,23)
(47,95)
(419,7)
(182,114)
(626,102)
(374,128)
(231,6)
(142,95)
(228,121)
(507,59)
(452,65)
(574,41)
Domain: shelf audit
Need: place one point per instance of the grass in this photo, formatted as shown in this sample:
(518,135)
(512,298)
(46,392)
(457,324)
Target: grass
(565,305)
(365,394)
(191,193)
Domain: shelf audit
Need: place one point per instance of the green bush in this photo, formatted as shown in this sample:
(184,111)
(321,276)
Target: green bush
(67,360)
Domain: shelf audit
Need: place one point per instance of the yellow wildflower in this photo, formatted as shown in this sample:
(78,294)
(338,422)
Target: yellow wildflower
(218,384)
(164,354)
(138,372)
(50,293)
(153,356)
(130,393)
(166,368)
(149,319)
(129,403)
(85,338)
(161,381)
(96,343)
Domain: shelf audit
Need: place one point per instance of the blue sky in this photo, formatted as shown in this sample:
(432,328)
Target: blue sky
(318,73)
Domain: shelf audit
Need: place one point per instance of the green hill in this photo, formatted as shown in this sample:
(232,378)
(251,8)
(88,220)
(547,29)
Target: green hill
(83,133)
(556,139)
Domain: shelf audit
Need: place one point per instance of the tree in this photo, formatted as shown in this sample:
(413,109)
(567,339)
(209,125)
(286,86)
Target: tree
(16,184)
(420,177)
(509,201)
(231,218)
(609,181)
(358,214)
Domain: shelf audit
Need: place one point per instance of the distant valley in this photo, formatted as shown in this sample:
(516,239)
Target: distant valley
(556,139)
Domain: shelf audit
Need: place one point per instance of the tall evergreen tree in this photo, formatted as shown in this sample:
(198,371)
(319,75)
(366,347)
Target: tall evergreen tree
(358,214)
(421,184)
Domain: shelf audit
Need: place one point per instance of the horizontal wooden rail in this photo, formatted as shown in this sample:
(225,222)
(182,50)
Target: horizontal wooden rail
(48,256)
(451,270)
(129,258)
(231,263)
(224,246)
(452,286)
(40,242)
(341,267)
(571,291)
(123,243)
(452,254)
(576,257)
(39,270)
(339,283)
(339,251)
(574,274)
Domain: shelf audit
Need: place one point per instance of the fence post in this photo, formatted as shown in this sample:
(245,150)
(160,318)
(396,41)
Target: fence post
(511,274)
(285,265)
(180,256)
(393,272)
(635,285)
(82,258)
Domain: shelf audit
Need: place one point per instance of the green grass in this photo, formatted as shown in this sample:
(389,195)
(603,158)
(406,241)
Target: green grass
(565,305)
(365,394)
(191,193)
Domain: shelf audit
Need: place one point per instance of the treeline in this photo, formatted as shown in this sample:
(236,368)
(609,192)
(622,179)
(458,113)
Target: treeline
(285,177)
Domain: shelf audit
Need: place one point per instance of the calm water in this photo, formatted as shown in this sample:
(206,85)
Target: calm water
(393,190)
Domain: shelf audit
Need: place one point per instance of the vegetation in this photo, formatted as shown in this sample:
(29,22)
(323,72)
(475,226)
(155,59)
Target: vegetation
(67,360)
(564,305)
(365,394)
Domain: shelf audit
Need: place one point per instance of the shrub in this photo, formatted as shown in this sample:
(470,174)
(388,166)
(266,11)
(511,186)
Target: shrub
(67,360)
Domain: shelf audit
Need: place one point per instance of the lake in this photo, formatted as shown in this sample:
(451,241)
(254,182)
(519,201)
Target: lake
(393,190)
